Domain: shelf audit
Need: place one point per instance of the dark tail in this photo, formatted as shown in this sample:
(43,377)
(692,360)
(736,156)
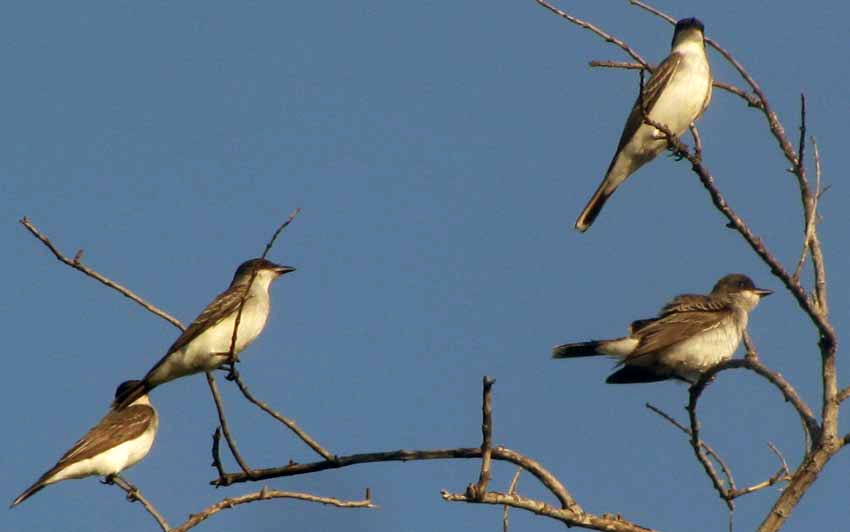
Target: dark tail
(30,491)
(635,375)
(593,207)
(129,392)
(580,349)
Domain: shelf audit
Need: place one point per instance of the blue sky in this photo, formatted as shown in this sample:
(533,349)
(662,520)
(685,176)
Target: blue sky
(440,153)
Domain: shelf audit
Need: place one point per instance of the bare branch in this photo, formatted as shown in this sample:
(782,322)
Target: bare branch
(588,26)
(711,452)
(616,64)
(134,495)
(810,424)
(606,522)
(511,491)
(222,420)
(479,489)
(324,453)
(498,453)
(266,494)
(77,264)
(232,356)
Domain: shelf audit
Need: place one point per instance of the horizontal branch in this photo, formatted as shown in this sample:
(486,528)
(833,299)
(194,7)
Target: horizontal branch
(498,453)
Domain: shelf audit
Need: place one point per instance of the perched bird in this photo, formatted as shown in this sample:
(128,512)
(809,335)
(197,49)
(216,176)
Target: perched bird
(118,441)
(205,345)
(692,333)
(675,96)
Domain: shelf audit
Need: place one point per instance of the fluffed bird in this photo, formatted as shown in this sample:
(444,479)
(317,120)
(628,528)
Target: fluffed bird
(118,441)
(205,345)
(692,333)
(676,95)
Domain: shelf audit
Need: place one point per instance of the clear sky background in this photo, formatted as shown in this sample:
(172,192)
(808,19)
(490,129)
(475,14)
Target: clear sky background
(440,152)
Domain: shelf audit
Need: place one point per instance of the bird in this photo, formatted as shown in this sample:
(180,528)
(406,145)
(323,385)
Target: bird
(120,440)
(206,344)
(691,334)
(676,95)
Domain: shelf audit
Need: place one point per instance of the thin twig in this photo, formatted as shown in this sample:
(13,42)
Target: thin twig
(324,453)
(134,495)
(751,100)
(616,64)
(216,451)
(266,494)
(222,420)
(727,472)
(810,423)
(511,491)
(77,264)
(479,489)
(588,26)
(611,523)
(232,355)
(697,446)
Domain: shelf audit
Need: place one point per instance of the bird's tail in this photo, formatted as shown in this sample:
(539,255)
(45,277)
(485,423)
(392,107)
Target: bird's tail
(129,392)
(619,170)
(579,349)
(29,492)
(593,207)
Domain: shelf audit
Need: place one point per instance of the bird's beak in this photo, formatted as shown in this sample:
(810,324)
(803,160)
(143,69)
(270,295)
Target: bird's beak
(761,292)
(284,269)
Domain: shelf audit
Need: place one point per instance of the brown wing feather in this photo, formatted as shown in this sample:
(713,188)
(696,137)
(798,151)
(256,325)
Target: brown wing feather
(222,306)
(674,328)
(121,426)
(652,89)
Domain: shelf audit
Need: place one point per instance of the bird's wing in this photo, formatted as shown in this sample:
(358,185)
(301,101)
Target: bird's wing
(115,428)
(693,302)
(222,306)
(673,328)
(651,92)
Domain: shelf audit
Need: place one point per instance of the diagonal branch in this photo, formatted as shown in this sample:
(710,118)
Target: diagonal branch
(313,444)
(590,27)
(77,264)
(225,429)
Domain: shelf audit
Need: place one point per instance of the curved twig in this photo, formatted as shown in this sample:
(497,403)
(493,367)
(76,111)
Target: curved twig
(810,423)
(134,495)
(266,494)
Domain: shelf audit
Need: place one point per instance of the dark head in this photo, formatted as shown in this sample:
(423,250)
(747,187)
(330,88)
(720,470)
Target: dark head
(736,283)
(125,387)
(686,29)
(260,265)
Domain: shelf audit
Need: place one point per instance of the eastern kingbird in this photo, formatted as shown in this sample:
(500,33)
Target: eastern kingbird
(676,96)
(692,333)
(205,345)
(118,441)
